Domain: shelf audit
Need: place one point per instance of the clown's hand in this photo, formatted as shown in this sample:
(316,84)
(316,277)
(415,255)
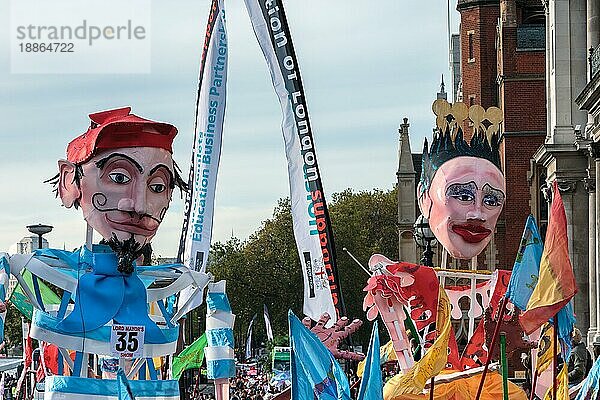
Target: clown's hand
(333,336)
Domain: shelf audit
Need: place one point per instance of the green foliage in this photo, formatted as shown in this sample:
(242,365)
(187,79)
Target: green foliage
(265,269)
(13,332)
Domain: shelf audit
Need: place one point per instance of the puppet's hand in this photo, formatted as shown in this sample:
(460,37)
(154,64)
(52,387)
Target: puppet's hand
(333,336)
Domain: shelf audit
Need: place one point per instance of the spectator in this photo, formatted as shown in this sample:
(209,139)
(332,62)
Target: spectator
(578,360)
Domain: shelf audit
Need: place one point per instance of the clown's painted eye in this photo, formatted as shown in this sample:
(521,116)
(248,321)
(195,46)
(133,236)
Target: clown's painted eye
(464,196)
(492,197)
(491,201)
(463,192)
(119,177)
(157,187)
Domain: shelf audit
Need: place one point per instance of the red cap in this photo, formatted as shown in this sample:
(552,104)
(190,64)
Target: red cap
(119,128)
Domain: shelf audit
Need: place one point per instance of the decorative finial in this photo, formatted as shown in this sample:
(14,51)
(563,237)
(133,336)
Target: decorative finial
(448,141)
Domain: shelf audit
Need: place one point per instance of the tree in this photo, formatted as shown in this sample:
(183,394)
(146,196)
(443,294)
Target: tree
(262,270)
(265,269)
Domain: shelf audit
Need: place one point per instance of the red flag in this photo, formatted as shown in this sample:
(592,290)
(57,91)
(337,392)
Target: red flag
(28,352)
(556,284)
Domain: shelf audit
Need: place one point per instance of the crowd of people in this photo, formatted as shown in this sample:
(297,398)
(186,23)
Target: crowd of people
(255,386)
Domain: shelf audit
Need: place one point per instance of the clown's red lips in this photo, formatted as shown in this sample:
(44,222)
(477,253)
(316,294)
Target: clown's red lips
(471,233)
(138,226)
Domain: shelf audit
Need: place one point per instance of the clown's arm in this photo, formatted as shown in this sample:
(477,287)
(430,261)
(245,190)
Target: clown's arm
(52,270)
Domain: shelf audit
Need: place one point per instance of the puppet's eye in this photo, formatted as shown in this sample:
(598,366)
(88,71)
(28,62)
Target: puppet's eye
(119,177)
(157,187)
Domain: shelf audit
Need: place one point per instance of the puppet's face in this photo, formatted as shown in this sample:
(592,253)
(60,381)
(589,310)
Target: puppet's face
(463,204)
(123,192)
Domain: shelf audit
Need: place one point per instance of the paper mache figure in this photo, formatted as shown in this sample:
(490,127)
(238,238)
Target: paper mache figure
(461,192)
(121,174)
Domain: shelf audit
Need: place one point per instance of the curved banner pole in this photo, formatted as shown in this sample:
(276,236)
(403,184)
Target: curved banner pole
(208,130)
(312,227)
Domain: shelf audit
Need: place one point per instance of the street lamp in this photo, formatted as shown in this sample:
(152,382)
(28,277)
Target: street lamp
(39,229)
(425,239)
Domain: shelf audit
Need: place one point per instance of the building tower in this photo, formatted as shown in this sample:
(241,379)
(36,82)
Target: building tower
(407,214)
(503,65)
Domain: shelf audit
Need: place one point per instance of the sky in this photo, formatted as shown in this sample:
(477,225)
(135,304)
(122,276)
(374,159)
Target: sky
(365,66)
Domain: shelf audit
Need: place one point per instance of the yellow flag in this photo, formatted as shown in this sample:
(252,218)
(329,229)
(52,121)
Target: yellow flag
(545,344)
(360,370)
(434,360)
(562,390)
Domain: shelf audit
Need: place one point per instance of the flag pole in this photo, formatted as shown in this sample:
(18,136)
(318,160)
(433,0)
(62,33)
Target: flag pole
(533,384)
(504,363)
(555,356)
(491,348)
(431,387)
(432,384)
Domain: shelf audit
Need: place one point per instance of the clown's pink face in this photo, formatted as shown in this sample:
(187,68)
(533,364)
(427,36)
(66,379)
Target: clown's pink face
(123,192)
(463,204)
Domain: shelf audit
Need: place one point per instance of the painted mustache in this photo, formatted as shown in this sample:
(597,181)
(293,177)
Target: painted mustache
(125,220)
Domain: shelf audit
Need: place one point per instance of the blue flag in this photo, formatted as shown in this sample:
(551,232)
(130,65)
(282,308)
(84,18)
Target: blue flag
(123,388)
(526,269)
(316,375)
(524,279)
(371,386)
(591,386)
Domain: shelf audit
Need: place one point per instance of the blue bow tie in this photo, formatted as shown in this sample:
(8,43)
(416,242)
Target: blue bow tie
(104,294)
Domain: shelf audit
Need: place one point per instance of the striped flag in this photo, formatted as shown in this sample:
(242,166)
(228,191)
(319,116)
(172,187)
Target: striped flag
(219,352)
(267,323)
(206,152)
(591,386)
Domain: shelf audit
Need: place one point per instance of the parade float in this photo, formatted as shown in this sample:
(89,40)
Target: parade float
(113,305)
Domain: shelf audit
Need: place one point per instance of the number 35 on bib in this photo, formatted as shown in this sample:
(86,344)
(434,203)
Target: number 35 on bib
(127,341)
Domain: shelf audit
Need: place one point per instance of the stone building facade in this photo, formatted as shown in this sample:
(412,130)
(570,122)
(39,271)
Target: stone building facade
(585,33)
(539,61)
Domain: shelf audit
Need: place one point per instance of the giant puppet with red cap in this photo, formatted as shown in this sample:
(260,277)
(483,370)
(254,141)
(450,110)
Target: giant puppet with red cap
(121,173)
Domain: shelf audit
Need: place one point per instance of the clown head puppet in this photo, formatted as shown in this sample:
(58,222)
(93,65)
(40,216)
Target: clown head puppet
(462,189)
(121,173)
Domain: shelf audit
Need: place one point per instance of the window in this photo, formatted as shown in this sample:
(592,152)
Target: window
(470,36)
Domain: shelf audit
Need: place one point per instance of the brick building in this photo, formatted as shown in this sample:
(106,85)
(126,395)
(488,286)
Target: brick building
(503,64)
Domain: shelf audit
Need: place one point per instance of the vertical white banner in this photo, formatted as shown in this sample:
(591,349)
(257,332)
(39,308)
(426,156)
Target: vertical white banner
(312,228)
(249,339)
(267,323)
(210,113)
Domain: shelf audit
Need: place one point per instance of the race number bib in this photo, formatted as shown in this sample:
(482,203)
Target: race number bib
(127,341)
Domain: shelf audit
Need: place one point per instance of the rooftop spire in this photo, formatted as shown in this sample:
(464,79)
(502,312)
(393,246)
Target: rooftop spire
(442,93)
(405,161)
